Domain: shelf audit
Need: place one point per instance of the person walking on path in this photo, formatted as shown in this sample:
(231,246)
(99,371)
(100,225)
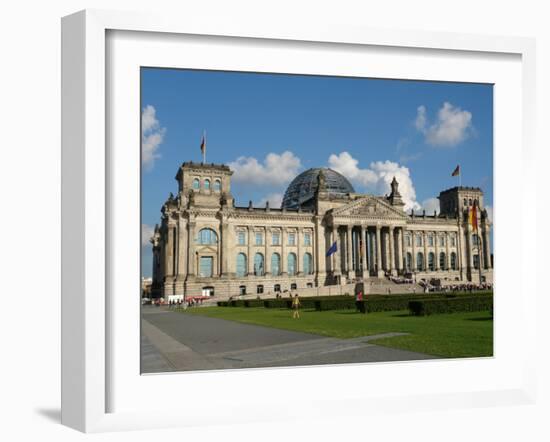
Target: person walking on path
(296,307)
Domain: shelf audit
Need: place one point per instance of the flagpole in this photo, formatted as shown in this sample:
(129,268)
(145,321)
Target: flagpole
(204,150)
(459,176)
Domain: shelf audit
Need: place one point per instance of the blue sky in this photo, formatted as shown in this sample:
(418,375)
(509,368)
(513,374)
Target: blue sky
(269,127)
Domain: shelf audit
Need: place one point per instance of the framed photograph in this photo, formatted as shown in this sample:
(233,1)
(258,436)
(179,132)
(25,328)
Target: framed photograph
(251,212)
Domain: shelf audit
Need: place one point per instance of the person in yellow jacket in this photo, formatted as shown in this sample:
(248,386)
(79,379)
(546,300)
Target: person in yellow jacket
(296,307)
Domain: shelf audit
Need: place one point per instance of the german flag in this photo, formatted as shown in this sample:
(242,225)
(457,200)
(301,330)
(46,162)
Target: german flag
(473,216)
(456,172)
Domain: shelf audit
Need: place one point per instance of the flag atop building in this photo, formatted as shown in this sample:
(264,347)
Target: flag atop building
(456,172)
(203,147)
(332,250)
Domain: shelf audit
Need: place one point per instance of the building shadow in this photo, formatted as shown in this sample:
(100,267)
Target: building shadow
(51,414)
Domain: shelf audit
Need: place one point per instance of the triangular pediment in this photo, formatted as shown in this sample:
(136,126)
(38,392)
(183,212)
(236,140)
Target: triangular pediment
(369,207)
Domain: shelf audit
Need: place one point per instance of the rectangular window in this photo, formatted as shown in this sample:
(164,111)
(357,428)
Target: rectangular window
(476,262)
(442,241)
(241,238)
(291,239)
(276,238)
(205,268)
(430,240)
(307,239)
(408,240)
(259,239)
(453,241)
(418,240)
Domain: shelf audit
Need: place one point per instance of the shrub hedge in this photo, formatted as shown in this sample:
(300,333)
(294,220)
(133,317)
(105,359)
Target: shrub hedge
(451,305)
(372,303)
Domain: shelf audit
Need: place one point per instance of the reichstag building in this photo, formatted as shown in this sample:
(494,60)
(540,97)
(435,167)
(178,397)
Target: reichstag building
(206,245)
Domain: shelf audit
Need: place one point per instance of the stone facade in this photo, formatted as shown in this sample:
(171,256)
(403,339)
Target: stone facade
(206,245)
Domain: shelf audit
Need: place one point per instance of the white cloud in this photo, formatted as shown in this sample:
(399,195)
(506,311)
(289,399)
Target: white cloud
(275,200)
(420,122)
(377,177)
(275,170)
(152,136)
(430,205)
(452,126)
(146,234)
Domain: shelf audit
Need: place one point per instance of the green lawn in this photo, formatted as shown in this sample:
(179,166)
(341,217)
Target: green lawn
(446,335)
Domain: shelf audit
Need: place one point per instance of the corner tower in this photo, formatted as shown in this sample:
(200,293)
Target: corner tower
(457,199)
(205,184)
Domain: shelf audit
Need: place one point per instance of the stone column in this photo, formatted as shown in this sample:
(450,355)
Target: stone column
(223,247)
(191,271)
(299,269)
(413,245)
(400,239)
(250,260)
(267,252)
(379,270)
(470,251)
(182,254)
(283,252)
(461,250)
(392,250)
(436,245)
(424,240)
(168,252)
(447,252)
(364,252)
(320,251)
(349,258)
(334,259)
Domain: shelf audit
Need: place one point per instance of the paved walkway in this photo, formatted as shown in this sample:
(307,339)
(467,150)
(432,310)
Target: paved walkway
(181,342)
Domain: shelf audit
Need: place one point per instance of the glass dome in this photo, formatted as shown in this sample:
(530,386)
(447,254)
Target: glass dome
(303,187)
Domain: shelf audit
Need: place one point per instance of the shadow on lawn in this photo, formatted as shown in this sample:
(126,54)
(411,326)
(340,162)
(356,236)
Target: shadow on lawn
(484,318)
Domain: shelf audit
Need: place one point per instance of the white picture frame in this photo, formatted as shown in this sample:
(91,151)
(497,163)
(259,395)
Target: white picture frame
(89,321)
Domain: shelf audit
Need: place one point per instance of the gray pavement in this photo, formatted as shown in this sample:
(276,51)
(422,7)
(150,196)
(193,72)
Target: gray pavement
(181,342)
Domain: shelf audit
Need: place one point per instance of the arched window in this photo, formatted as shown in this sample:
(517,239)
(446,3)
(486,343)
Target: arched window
(259,264)
(241,264)
(475,239)
(259,289)
(196,184)
(470,202)
(242,290)
(293,286)
(431,261)
(442,261)
(408,263)
(308,264)
(277,288)
(291,264)
(275,264)
(465,202)
(207,184)
(420,261)
(453,261)
(217,185)
(207,236)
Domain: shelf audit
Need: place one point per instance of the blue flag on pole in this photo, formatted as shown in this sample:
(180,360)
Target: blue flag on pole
(332,250)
